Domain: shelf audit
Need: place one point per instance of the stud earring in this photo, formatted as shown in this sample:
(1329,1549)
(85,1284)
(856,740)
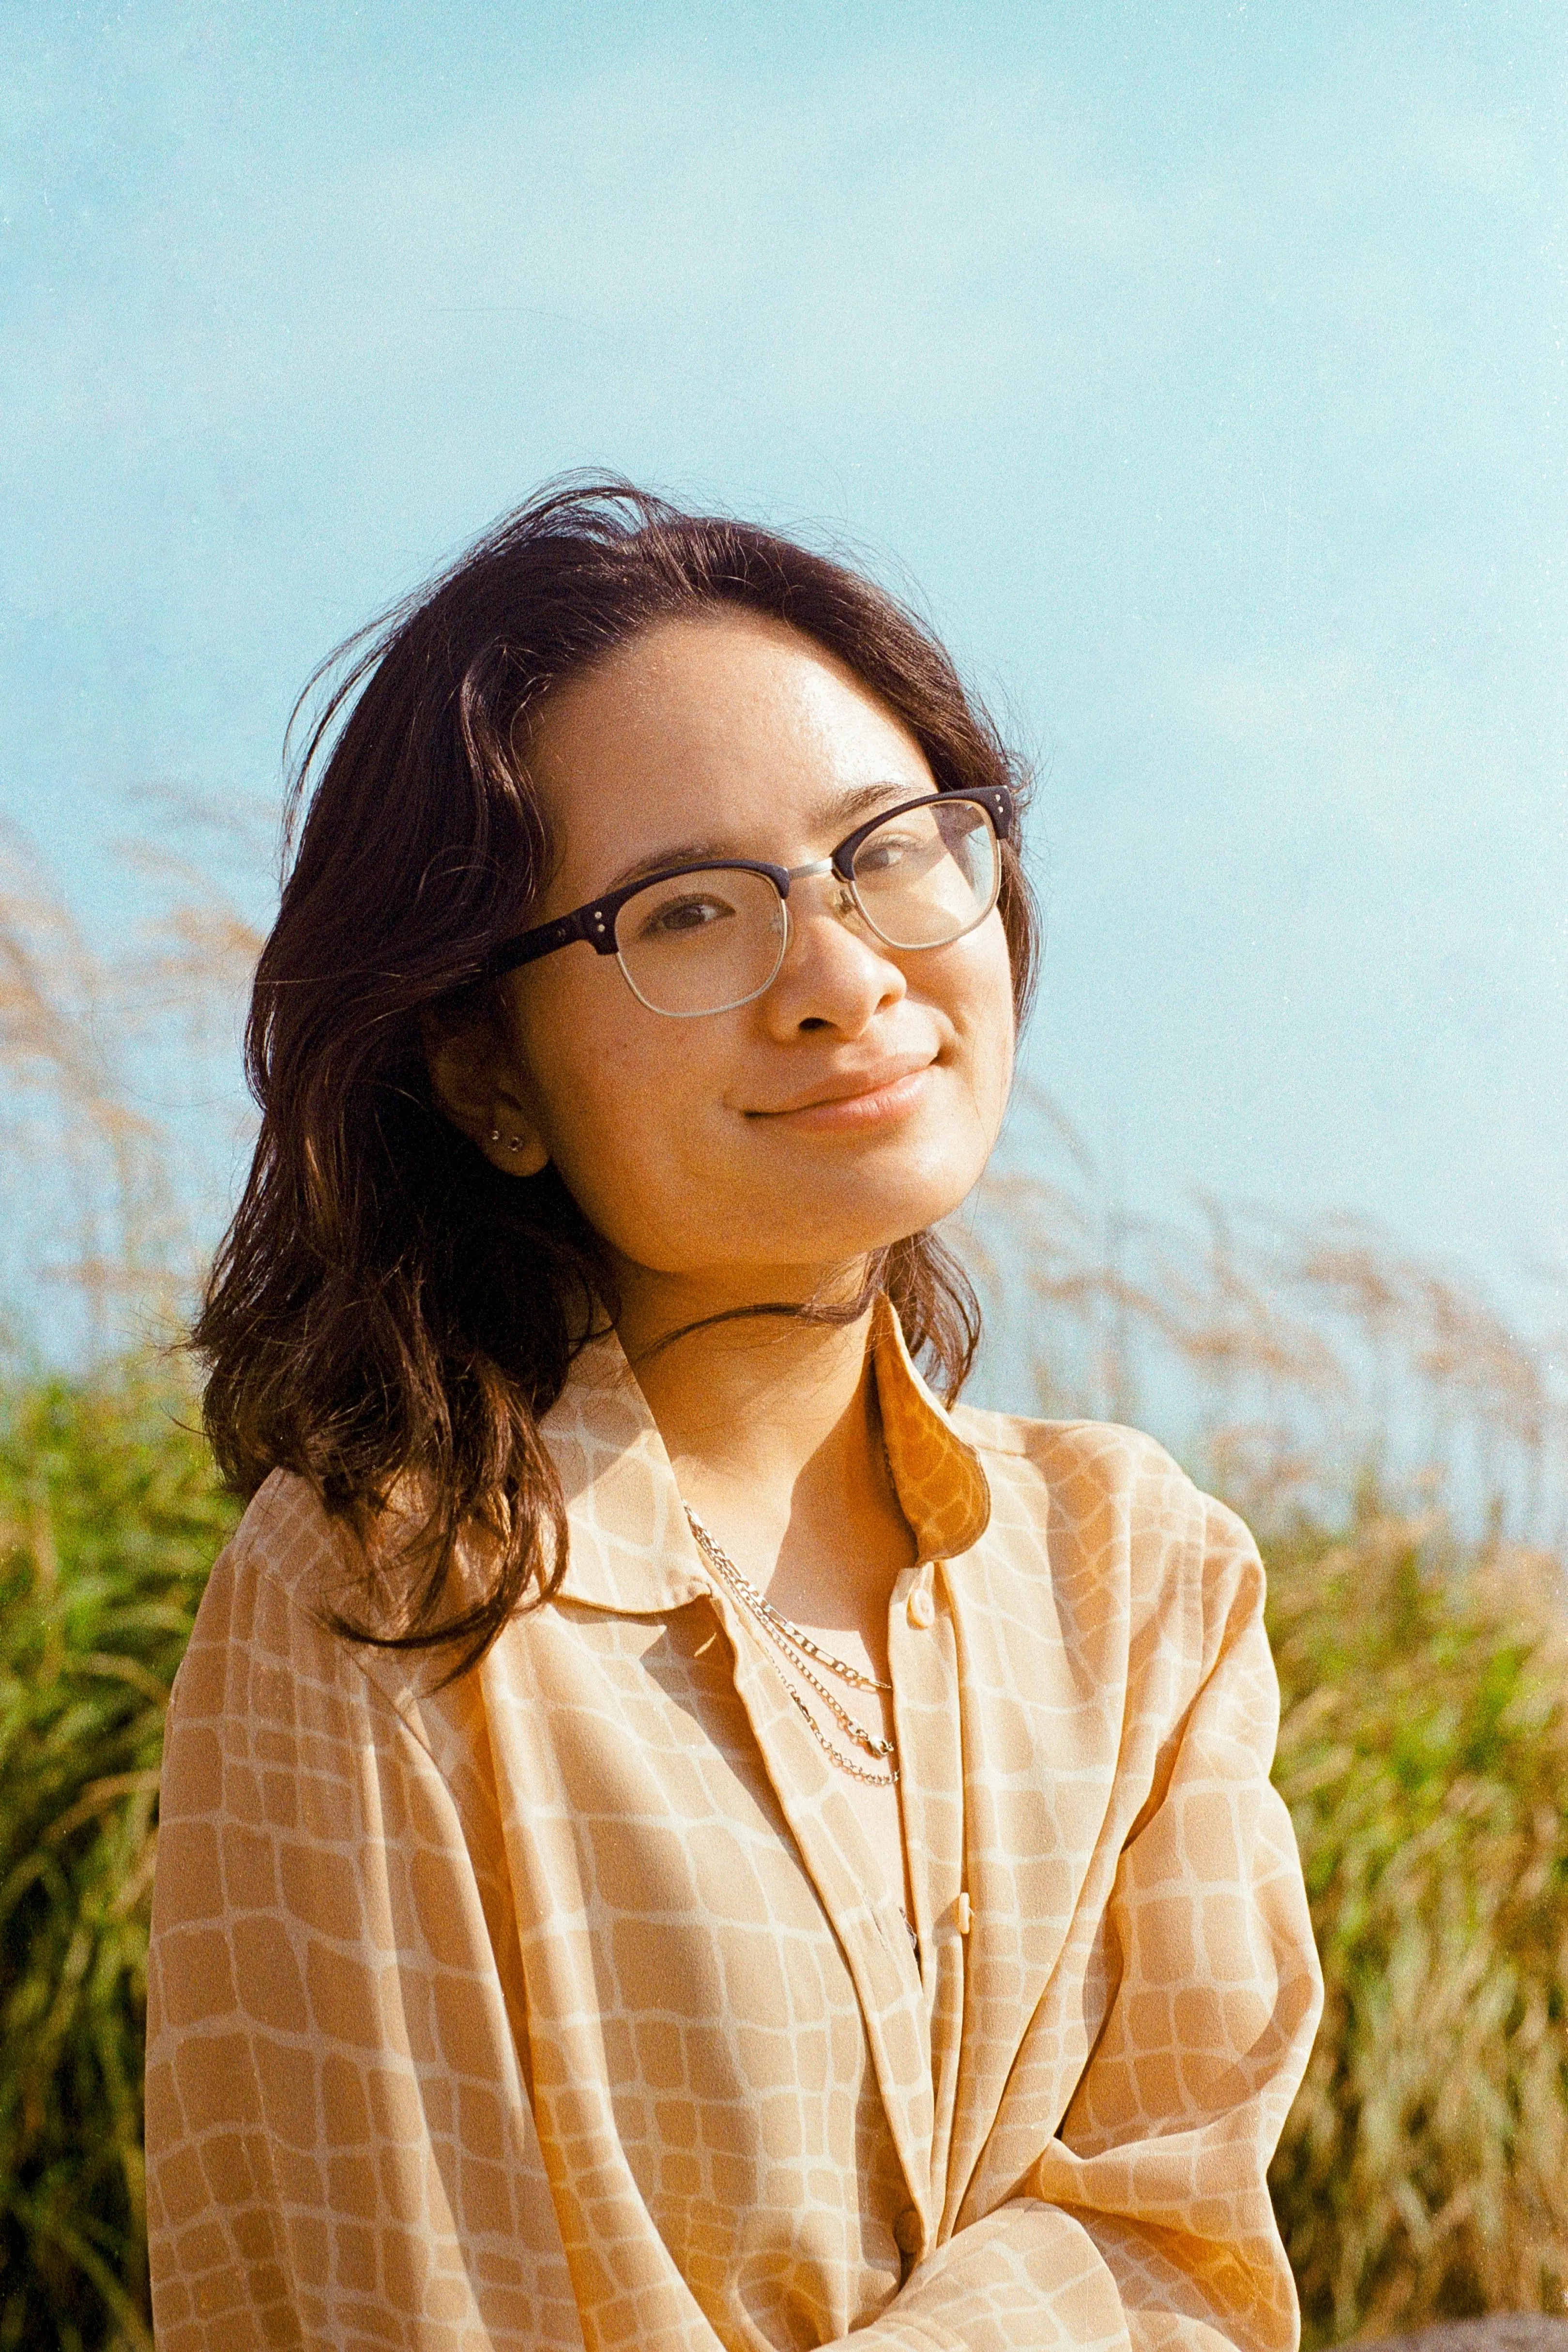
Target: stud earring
(494,1135)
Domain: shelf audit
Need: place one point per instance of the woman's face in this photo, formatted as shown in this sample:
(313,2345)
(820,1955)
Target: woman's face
(852,1103)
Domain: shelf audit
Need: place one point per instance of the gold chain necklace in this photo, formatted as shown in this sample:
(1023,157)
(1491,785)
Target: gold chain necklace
(798,1647)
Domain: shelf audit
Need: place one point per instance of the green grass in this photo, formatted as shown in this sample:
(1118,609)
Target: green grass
(1424,1754)
(110,1518)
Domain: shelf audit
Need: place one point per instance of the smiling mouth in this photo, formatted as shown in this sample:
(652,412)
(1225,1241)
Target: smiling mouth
(863,1101)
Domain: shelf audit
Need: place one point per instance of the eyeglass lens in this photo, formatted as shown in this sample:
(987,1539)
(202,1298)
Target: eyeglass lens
(701,942)
(929,874)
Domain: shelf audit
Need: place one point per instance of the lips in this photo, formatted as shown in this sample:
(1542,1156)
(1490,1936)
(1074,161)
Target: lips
(848,1085)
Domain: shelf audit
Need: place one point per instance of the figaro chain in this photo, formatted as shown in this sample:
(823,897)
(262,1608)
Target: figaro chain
(798,1647)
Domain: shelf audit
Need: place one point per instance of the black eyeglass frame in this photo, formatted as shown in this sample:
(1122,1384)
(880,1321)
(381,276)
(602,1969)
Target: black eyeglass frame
(595,922)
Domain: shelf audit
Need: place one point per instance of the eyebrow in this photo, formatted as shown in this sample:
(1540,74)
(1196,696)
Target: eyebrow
(843,809)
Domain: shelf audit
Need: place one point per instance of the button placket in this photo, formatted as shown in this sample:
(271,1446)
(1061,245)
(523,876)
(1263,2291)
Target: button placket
(925,1685)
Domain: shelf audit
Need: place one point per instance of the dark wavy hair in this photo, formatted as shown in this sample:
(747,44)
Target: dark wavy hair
(388,1315)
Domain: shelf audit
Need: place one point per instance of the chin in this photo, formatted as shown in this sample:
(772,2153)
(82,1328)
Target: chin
(868,1225)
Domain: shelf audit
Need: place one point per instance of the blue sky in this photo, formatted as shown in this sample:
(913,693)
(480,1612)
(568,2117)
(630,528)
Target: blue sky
(1201,366)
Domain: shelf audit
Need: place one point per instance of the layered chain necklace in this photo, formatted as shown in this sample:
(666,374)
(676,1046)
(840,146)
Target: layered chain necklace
(802,1654)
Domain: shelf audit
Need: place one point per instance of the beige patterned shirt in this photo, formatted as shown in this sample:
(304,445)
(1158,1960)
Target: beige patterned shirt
(566,2006)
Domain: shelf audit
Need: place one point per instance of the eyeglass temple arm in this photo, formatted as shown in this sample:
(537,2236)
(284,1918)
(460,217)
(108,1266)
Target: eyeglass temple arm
(596,924)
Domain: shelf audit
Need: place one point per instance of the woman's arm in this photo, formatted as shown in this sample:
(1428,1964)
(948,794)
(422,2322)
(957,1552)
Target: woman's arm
(1146,2220)
(339,2149)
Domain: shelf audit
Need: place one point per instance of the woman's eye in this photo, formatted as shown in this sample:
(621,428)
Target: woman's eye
(677,919)
(880,854)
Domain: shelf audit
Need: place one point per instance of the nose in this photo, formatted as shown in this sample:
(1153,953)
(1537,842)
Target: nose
(836,972)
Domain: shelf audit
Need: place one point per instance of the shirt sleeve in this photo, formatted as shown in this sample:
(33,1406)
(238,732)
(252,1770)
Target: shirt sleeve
(1145,2223)
(339,2149)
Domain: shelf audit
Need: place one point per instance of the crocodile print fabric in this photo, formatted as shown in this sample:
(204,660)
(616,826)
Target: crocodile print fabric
(562,2008)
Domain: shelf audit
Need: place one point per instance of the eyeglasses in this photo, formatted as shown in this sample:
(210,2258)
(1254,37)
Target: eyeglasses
(706,938)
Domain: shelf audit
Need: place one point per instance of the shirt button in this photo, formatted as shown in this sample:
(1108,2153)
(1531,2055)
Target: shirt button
(906,2232)
(920,1609)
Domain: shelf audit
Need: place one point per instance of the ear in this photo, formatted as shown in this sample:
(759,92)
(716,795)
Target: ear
(475,1079)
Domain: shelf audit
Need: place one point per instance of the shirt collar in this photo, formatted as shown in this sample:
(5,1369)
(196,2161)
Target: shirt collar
(942,1489)
(631,1547)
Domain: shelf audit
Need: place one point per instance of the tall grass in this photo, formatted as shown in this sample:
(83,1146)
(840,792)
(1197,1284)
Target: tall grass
(1286,1359)
(1402,1451)
(1424,1755)
(119,1107)
(110,1518)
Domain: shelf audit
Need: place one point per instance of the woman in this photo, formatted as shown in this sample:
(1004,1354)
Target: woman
(672,1836)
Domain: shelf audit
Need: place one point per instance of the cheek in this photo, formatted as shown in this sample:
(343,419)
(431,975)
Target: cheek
(619,1099)
(986,1019)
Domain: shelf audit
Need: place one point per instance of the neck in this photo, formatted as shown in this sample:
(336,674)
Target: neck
(773,1431)
(751,1399)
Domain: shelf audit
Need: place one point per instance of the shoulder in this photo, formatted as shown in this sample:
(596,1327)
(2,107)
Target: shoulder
(263,1646)
(1108,1505)
(288,1557)
(1077,1471)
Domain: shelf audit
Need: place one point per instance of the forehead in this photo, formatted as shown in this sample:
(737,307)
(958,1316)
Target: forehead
(726,721)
